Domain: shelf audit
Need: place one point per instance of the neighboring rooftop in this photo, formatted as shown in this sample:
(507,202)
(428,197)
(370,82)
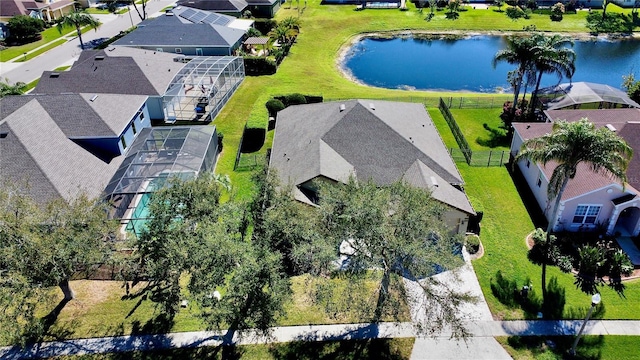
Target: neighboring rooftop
(187,27)
(625,122)
(374,140)
(38,147)
(576,94)
(116,70)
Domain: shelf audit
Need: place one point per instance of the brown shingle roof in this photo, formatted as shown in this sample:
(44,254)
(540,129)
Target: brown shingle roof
(627,125)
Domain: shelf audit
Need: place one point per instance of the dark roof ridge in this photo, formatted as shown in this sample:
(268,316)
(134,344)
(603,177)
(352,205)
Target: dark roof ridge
(432,164)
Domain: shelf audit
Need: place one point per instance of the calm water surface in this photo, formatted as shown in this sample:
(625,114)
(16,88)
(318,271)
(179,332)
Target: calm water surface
(465,64)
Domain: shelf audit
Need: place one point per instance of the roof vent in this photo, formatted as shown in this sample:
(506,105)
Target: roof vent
(610,127)
(93,98)
(434,182)
(3,134)
(99,57)
(54,75)
(373,107)
(343,107)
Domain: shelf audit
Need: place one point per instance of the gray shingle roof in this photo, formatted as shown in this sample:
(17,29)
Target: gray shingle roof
(383,143)
(121,71)
(38,151)
(171,31)
(215,5)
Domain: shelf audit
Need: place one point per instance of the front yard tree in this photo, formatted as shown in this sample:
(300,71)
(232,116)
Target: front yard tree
(23,28)
(49,244)
(568,145)
(78,19)
(398,229)
(191,235)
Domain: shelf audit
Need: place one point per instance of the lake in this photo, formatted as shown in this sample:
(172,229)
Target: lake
(466,64)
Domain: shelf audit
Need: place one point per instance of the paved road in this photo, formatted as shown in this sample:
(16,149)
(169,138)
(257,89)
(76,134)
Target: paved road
(68,52)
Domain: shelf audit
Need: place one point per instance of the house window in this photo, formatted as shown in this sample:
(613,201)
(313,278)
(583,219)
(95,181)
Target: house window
(539,182)
(586,214)
(123,142)
(528,163)
(133,127)
(178,51)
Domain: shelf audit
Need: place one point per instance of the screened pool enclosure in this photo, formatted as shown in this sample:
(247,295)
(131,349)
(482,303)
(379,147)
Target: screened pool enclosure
(202,87)
(156,155)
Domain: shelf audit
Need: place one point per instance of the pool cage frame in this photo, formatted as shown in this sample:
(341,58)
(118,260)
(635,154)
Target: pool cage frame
(202,87)
(157,155)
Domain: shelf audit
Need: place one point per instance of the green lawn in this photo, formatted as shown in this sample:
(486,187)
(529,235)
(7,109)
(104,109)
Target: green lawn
(590,347)
(48,35)
(100,309)
(506,221)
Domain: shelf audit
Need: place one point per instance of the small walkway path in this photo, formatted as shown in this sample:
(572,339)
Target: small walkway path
(481,331)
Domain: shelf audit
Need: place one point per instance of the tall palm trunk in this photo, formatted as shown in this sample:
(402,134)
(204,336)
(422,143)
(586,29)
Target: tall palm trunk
(80,36)
(548,245)
(516,92)
(534,95)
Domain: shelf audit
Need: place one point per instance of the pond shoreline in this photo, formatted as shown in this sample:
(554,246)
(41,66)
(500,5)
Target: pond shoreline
(343,52)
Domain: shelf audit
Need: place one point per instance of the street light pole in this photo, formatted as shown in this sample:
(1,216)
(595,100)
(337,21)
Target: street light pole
(595,300)
(129,11)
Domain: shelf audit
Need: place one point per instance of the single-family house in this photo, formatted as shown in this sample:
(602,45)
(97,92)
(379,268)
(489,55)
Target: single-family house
(376,140)
(177,87)
(590,200)
(102,145)
(47,10)
(189,31)
(237,8)
(56,146)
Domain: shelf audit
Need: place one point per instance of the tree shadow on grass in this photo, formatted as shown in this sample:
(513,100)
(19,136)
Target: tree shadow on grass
(497,138)
(346,349)
(535,212)
(588,348)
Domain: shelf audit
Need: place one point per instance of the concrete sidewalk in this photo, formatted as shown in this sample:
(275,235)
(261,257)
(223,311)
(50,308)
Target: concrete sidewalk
(481,331)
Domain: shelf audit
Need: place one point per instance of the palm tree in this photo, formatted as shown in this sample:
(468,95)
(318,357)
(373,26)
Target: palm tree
(554,57)
(568,145)
(520,51)
(78,19)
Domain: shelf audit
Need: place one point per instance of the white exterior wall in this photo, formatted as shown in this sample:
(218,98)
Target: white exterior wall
(456,220)
(532,173)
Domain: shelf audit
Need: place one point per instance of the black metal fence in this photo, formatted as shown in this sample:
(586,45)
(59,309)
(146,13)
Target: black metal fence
(480,157)
(461,102)
(464,153)
(455,129)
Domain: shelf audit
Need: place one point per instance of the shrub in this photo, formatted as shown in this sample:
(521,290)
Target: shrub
(254,66)
(515,12)
(472,242)
(532,4)
(220,139)
(294,99)
(504,290)
(556,12)
(273,106)
(264,25)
